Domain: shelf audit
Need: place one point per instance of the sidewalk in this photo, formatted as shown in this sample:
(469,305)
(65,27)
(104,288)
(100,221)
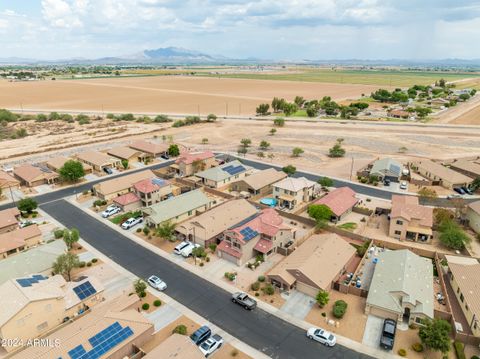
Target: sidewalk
(359,347)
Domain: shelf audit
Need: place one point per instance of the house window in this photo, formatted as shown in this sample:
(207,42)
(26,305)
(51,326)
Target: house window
(189,213)
(42,327)
(399,222)
(236,245)
(458,290)
(462,298)
(398,233)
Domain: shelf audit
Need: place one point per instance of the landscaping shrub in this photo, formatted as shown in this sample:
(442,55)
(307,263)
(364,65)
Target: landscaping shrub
(268,289)
(157,303)
(207,259)
(34,215)
(180,329)
(234,352)
(459,350)
(89,264)
(475,357)
(339,308)
(143,295)
(58,233)
(202,264)
(257,294)
(418,347)
(50,241)
(139,230)
(81,264)
(230,276)
(94,260)
(212,247)
(402,352)
(324,314)
(255,286)
(261,278)
(146,230)
(145,306)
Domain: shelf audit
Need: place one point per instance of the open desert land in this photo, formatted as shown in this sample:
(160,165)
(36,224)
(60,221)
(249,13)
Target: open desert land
(165,94)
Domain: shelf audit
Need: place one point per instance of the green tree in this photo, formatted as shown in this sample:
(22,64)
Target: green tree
(173,150)
(260,154)
(279,122)
(54,116)
(273,131)
(289,109)
(452,236)
(321,213)
(425,192)
(7,116)
(125,164)
(312,110)
(161,119)
(339,308)
(337,150)
(64,264)
(264,145)
(297,151)
(442,83)
(27,205)
(72,171)
(475,184)
(435,334)
(166,230)
(277,104)
(242,150)
(70,237)
(262,109)
(359,105)
(299,101)
(423,111)
(246,142)
(211,117)
(289,170)
(464,96)
(325,182)
(204,141)
(140,287)
(322,298)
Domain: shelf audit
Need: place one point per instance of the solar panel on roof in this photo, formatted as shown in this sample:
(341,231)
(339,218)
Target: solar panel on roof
(395,169)
(27,282)
(226,168)
(77,352)
(245,221)
(84,290)
(105,334)
(248,233)
(24,282)
(158,181)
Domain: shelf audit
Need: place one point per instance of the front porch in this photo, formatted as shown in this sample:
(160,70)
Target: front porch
(418,234)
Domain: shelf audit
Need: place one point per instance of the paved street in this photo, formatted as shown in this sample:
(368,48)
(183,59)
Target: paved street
(261,330)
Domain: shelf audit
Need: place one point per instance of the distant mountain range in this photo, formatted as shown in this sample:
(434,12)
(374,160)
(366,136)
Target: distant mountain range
(181,56)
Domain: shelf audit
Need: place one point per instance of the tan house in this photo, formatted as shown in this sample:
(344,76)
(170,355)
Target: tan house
(9,219)
(341,201)
(292,191)
(126,153)
(190,163)
(315,265)
(259,183)
(114,328)
(57,162)
(259,234)
(401,287)
(473,216)
(18,240)
(176,346)
(410,220)
(32,176)
(152,150)
(151,191)
(223,175)
(117,186)
(464,275)
(468,168)
(36,304)
(208,227)
(441,175)
(98,160)
(8,181)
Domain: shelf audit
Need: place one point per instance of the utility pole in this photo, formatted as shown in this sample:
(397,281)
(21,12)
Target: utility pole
(194,252)
(351,169)
(11,195)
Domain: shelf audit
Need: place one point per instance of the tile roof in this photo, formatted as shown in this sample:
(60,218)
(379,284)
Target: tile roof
(443,172)
(412,275)
(8,217)
(122,183)
(57,162)
(227,248)
(126,199)
(189,158)
(263,246)
(123,152)
(16,239)
(30,173)
(339,200)
(386,167)
(261,179)
(294,184)
(320,259)
(475,206)
(221,173)
(149,147)
(146,186)
(467,277)
(97,158)
(6,180)
(468,166)
(407,207)
(176,346)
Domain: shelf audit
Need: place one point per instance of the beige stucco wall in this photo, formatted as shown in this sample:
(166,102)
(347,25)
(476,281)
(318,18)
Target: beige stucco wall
(474,220)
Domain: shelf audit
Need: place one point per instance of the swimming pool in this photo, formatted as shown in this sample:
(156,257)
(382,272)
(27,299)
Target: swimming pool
(272,202)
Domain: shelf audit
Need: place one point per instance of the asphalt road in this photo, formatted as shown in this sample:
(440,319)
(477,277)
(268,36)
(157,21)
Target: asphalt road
(261,330)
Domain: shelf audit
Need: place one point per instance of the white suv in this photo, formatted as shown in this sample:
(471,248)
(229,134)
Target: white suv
(156,283)
(131,222)
(322,336)
(110,210)
(178,249)
(187,251)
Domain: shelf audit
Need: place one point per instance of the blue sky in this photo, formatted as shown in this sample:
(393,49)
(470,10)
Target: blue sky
(270,29)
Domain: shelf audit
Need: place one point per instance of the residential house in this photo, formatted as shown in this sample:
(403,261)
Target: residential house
(313,266)
(208,227)
(259,234)
(36,304)
(113,329)
(259,183)
(154,190)
(57,162)
(410,220)
(127,154)
(177,209)
(176,346)
(341,201)
(7,181)
(473,215)
(117,186)
(98,160)
(401,287)
(398,113)
(18,240)
(441,175)
(387,169)
(190,163)
(9,219)
(32,176)
(292,191)
(468,168)
(222,175)
(152,150)
(464,276)
(128,202)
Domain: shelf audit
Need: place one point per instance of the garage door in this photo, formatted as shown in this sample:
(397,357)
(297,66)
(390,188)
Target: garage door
(228,257)
(306,289)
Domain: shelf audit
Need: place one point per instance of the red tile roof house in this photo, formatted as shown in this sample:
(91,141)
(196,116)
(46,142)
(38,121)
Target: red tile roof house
(128,202)
(151,149)
(260,234)
(340,201)
(190,163)
(145,193)
(19,240)
(9,219)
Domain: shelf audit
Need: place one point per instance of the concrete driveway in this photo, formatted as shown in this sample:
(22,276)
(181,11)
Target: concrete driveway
(297,304)
(373,331)
(163,316)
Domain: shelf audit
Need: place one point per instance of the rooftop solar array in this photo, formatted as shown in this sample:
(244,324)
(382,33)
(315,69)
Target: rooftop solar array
(159,182)
(84,290)
(27,282)
(102,342)
(395,169)
(233,170)
(248,233)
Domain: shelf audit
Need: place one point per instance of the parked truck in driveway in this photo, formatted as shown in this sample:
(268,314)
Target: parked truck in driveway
(244,300)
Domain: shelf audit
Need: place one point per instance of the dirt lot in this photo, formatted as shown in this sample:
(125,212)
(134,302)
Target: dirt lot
(165,94)
(467,113)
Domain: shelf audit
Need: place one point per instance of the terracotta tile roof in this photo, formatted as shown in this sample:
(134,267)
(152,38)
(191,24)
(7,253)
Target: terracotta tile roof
(6,180)
(149,147)
(443,172)
(16,239)
(57,162)
(31,173)
(189,158)
(227,248)
(8,217)
(339,200)
(123,182)
(126,199)
(97,158)
(146,186)
(123,152)
(408,208)
(263,246)
(176,346)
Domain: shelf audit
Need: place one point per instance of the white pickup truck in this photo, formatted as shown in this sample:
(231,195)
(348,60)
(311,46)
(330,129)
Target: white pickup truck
(188,250)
